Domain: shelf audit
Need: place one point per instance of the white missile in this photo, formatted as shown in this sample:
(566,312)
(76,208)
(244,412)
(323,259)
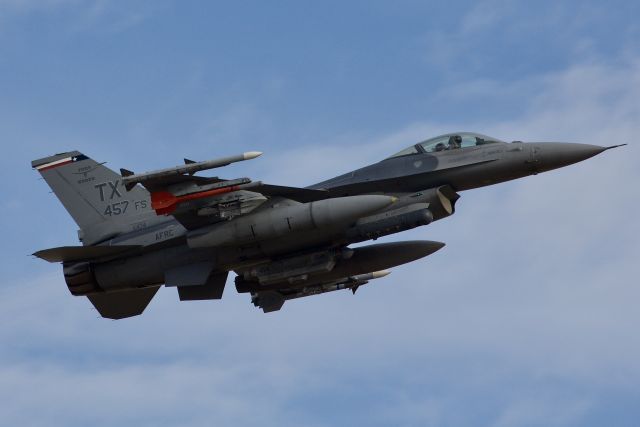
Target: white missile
(129,179)
(363,279)
(370,276)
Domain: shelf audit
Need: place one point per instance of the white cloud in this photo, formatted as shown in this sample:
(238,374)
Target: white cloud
(8,7)
(104,16)
(543,411)
(490,32)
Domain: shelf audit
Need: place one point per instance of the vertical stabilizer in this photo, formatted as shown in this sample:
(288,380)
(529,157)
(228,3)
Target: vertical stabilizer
(93,195)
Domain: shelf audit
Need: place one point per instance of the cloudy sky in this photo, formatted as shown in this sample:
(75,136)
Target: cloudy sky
(528,317)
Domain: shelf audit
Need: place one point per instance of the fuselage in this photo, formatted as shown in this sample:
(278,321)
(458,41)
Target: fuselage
(461,167)
(434,174)
(419,168)
(283,242)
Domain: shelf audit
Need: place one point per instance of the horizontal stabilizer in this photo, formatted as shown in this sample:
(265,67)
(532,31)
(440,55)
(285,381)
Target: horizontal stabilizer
(83,253)
(122,304)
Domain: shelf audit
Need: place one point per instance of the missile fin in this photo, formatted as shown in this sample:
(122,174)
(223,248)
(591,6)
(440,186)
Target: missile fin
(124,173)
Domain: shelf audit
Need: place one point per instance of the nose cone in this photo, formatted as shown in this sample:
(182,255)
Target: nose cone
(553,155)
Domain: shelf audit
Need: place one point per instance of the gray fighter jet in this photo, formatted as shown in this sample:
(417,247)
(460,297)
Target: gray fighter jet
(142,230)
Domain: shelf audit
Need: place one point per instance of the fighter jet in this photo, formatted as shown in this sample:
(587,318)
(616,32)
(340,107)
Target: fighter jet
(170,227)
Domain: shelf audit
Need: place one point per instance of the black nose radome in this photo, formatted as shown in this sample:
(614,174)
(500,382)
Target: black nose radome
(553,155)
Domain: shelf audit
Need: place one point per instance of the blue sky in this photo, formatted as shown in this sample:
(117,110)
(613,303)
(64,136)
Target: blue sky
(528,317)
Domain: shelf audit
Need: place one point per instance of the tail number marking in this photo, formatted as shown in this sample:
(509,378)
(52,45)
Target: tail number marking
(116,208)
(112,187)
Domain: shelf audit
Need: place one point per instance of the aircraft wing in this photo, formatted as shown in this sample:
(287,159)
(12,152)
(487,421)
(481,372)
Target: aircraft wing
(197,201)
(302,195)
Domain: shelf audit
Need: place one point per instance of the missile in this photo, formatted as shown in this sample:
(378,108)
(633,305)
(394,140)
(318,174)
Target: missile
(272,301)
(371,276)
(362,279)
(352,283)
(130,179)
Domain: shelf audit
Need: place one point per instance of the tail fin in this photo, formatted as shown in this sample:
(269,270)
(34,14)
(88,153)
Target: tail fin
(93,194)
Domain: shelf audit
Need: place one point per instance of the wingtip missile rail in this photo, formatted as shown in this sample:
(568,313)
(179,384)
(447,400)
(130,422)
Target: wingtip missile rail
(130,179)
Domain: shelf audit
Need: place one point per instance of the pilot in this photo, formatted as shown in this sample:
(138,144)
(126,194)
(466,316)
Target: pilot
(440,146)
(455,141)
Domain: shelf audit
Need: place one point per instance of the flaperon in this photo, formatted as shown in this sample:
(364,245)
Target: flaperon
(142,230)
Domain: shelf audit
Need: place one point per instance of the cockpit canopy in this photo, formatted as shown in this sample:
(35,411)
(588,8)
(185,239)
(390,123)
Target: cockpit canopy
(450,141)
